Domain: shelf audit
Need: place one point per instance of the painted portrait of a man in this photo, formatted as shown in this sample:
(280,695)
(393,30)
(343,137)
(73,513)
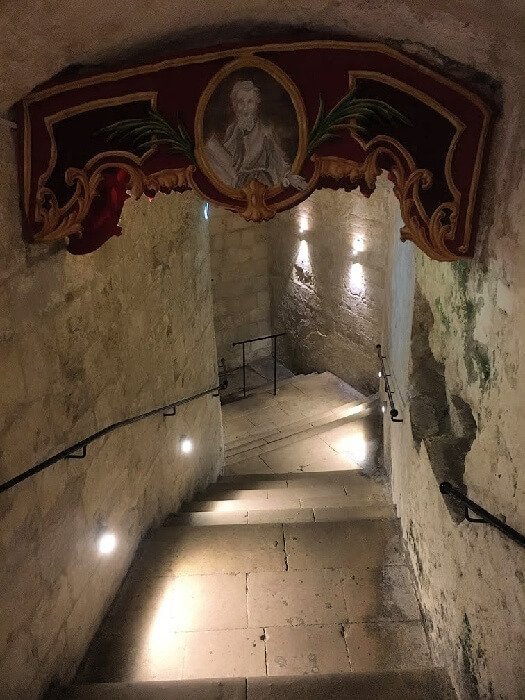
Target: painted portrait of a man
(251,146)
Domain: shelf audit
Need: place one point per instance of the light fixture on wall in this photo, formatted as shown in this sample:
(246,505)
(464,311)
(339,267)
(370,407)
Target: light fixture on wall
(106,541)
(206,210)
(356,278)
(304,224)
(303,255)
(186,445)
(358,245)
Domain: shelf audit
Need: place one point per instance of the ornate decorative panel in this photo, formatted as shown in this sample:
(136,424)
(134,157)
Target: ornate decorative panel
(254,129)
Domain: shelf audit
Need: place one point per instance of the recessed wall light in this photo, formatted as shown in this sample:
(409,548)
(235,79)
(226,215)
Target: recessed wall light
(186,445)
(303,223)
(357,278)
(303,255)
(107,542)
(358,246)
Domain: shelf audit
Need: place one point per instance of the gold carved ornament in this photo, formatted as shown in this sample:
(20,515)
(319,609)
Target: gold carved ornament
(257,201)
(428,233)
(61,222)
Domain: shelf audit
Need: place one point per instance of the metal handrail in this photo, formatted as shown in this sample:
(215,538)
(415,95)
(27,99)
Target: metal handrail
(485,517)
(252,340)
(274,336)
(78,450)
(383,374)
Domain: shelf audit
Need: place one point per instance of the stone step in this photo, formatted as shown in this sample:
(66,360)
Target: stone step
(424,684)
(235,548)
(251,513)
(330,496)
(420,684)
(213,689)
(291,434)
(309,483)
(346,411)
(326,477)
(326,381)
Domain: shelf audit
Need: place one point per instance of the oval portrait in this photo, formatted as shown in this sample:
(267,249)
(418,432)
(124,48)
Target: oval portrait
(251,125)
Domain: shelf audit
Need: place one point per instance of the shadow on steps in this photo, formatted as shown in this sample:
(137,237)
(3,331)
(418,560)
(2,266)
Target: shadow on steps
(393,685)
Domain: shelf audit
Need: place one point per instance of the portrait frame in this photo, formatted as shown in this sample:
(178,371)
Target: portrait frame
(289,87)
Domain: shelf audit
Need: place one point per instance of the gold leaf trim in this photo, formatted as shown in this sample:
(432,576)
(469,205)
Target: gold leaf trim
(61,222)
(430,234)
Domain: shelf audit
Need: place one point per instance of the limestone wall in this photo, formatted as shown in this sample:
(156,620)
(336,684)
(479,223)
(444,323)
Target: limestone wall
(41,41)
(458,367)
(323,286)
(328,261)
(241,293)
(86,341)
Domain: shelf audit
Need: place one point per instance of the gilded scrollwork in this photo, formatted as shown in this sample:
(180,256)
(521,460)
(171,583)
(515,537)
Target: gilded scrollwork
(256,200)
(257,142)
(428,233)
(62,222)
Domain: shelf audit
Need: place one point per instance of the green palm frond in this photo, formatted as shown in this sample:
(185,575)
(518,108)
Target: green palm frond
(356,114)
(142,134)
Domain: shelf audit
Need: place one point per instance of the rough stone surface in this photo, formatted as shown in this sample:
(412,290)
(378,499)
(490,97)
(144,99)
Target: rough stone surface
(470,579)
(323,286)
(241,293)
(41,41)
(87,341)
(327,282)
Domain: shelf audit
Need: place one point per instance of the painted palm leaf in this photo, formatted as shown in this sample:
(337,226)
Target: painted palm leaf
(353,113)
(142,134)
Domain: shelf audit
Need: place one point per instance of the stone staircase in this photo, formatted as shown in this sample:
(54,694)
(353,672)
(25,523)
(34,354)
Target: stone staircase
(285,580)
(294,497)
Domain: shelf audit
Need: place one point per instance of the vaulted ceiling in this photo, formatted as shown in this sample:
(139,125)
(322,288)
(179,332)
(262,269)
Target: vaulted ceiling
(39,38)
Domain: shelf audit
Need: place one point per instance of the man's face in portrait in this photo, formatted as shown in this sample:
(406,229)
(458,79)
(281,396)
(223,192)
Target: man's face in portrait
(245,102)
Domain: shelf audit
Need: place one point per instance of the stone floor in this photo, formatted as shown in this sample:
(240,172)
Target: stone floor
(287,579)
(258,374)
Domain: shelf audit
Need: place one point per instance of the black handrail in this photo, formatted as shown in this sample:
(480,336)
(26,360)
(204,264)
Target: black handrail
(78,450)
(383,374)
(253,340)
(447,488)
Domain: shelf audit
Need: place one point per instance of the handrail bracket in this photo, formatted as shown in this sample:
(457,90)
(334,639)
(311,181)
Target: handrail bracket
(77,455)
(384,375)
(487,518)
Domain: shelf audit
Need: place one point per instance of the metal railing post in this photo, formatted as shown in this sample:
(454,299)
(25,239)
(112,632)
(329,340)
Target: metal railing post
(274,337)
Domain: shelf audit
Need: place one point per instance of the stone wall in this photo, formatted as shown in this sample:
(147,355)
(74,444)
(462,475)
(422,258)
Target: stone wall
(328,261)
(86,341)
(465,421)
(241,294)
(397,328)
